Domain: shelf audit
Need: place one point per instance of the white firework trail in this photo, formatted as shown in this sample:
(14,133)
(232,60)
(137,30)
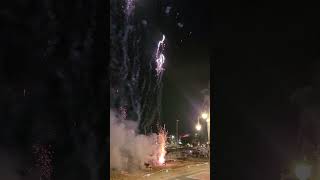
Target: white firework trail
(160,58)
(161,43)
(129,7)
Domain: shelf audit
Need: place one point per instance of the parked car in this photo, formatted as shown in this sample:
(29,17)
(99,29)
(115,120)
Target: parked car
(201,152)
(187,152)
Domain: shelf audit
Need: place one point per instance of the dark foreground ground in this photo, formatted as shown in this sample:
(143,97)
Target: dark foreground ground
(178,170)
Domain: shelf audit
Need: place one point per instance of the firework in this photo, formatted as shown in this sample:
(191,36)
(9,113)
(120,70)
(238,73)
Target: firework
(160,58)
(162,139)
(129,7)
(43,156)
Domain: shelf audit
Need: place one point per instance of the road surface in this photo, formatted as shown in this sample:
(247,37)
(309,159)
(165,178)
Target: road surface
(200,171)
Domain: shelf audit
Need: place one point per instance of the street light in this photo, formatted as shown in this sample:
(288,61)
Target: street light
(303,171)
(198,127)
(204,115)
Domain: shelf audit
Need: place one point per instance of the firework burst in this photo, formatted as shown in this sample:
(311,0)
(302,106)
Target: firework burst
(160,58)
(162,139)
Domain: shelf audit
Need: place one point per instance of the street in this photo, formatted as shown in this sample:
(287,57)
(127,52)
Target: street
(200,171)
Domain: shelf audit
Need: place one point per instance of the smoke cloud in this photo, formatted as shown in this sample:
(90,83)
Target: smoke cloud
(128,149)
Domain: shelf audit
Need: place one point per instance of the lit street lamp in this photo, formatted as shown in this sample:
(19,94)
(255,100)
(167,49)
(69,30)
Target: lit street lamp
(303,171)
(204,115)
(198,127)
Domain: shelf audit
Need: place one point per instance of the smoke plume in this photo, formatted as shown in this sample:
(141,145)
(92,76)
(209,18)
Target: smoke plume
(128,149)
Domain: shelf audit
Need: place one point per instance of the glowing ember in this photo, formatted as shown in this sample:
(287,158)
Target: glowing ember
(43,155)
(162,159)
(162,138)
(159,55)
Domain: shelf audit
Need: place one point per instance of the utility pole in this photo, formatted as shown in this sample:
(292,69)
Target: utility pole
(208,128)
(177,131)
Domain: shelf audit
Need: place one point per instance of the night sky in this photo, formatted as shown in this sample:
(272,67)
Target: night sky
(53,91)
(266,79)
(187,65)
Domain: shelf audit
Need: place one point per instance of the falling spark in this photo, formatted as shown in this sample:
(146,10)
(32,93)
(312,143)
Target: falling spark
(43,155)
(160,62)
(123,112)
(162,139)
(161,43)
(129,6)
(160,57)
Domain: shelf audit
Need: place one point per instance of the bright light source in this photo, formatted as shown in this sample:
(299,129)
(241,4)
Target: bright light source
(161,160)
(198,127)
(204,115)
(303,171)
(172,136)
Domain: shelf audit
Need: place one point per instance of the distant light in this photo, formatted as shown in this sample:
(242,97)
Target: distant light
(303,171)
(204,115)
(172,136)
(198,127)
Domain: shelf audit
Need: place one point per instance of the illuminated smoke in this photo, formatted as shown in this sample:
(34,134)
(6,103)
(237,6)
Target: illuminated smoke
(130,150)
(160,57)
